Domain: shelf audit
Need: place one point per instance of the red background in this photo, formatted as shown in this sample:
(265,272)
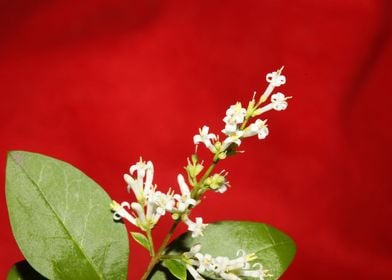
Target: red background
(99,83)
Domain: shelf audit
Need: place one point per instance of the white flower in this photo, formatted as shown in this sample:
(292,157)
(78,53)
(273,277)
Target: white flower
(230,128)
(147,217)
(196,227)
(142,185)
(278,103)
(205,138)
(120,212)
(275,79)
(140,167)
(232,138)
(223,267)
(164,202)
(258,128)
(184,200)
(205,262)
(220,265)
(235,113)
(235,116)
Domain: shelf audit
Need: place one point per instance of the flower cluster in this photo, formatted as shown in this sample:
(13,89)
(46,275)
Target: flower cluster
(237,119)
(223,267)
(151,204)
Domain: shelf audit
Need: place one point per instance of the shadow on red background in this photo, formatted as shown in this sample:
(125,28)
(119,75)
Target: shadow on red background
(100,83)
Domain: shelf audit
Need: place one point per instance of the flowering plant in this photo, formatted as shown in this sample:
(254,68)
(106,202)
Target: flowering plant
(62,224)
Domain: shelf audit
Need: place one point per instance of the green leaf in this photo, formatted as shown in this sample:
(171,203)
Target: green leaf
(23,271)
(141,239)
(274,249)
(61,220)
(176,268)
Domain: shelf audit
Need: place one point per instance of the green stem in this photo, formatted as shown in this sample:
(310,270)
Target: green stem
(245,122)
(170,257)
(155,259)
(208,172)
(195,190)
(150,240)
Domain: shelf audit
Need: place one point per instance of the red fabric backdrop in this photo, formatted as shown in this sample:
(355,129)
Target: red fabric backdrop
(99,83)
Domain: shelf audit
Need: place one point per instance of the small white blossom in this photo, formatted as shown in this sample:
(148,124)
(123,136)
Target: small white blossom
(235,113)
(184,200)
(205,138)
(235,116)
(121,213)
(232,138)
(278,103)
(196,227)
(220,265)
(205,262)
(164,202)
(259,128)
(275,79)
(148,216)
(230,128)
(223,267)
(142,184)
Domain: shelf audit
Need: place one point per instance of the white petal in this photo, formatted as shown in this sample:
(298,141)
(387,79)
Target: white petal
(197,139)
(149,178)
(183,186)
(194,273)
(139,211)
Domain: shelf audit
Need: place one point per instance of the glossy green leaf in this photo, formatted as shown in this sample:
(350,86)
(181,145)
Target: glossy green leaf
(275,250)
(176,268)
(23,271)
(61,220)
(141,239)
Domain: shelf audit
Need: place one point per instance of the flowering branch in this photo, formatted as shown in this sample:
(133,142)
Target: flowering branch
(151,204)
